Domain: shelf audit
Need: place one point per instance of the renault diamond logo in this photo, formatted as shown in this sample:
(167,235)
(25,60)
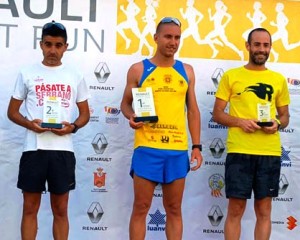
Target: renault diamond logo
(99,143)
(283,184)
(102,72)
(217,148)
(215,215)
(95,212)
(216,76)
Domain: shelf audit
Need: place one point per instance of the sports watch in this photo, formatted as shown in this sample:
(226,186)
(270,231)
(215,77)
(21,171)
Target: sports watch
(199,146)
(278,122)
(75,128)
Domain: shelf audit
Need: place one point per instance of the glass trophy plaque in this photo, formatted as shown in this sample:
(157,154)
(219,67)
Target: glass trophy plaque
(264,115)
(52,113)
(143,104)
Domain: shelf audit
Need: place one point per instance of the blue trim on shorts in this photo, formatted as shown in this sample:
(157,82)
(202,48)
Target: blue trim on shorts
(160,165)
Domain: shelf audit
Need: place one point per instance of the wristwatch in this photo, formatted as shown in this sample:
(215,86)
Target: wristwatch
(199,146)
(75,128)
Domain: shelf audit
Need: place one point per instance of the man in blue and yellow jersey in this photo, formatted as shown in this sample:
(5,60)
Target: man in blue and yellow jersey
(161,148)
(258,107)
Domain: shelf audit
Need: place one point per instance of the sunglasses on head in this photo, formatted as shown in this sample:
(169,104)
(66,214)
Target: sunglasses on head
(53,23)
(171,20)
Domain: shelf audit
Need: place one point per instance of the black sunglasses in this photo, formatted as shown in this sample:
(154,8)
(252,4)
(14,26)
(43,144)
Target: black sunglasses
(171,20)
(53,23)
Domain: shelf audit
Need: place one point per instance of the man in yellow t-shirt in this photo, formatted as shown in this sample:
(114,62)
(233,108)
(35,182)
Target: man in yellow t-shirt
(258,107)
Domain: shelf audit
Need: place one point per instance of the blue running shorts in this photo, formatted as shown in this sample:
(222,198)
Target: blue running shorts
(159,165)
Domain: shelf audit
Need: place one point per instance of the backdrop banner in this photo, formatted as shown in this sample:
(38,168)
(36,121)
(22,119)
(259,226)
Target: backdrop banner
(105,37)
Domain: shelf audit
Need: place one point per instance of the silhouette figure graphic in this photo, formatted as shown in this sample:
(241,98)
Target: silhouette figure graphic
(257,19)
(149,19)
(131,11)
(281,33)
(193,17)
(219,28)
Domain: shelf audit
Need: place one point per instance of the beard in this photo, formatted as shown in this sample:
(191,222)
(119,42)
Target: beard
(259,58)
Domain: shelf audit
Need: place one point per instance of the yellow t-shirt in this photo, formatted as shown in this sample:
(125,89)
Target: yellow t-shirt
(169,86)
(244,90)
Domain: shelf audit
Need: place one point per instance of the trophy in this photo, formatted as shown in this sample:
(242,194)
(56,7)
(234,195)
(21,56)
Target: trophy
(264,114)
(144,105)
(52,113)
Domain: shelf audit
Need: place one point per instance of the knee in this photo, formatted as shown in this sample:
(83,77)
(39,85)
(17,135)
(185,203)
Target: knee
(173,208)
(236,211)
(60,210)
(262,209)
(263,214)
(30,208)
(141,207)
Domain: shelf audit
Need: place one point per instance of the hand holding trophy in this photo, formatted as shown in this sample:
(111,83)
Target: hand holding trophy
(264,115)
(143,103)
(52,113)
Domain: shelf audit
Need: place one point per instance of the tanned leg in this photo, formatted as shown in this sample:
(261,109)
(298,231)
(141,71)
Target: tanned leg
(263,209)
(143,194)
(59,205)
(172,199)
(236,209)
(29,224)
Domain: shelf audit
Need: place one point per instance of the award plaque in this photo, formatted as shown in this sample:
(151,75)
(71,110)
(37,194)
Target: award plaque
(143,103)
(52,113)
(264,115)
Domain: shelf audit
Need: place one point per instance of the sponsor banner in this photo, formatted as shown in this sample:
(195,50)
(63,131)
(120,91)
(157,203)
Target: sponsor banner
(105,38)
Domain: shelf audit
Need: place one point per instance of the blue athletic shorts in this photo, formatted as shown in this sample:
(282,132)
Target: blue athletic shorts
(57,168)
(244,173)
(158,165)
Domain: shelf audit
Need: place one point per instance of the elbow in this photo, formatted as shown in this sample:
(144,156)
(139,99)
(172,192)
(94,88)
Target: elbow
(218,117)
(216,120)
(285,123)
(122,108)
(126,109)
(10,116)
(88,116)
(194,114)
(215,117)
